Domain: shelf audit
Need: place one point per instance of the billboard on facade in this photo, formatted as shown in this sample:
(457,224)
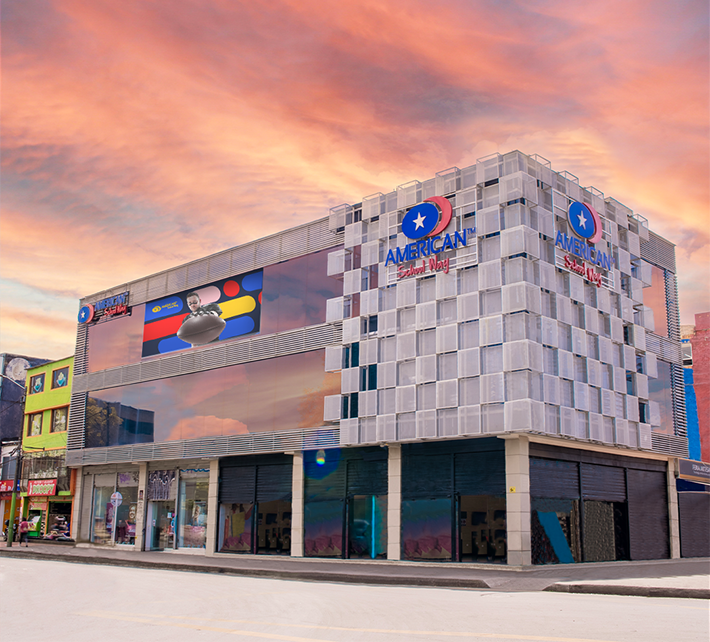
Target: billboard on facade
(211,313)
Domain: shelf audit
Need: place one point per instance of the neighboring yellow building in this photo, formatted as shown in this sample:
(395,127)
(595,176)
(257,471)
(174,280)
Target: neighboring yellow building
(47,485)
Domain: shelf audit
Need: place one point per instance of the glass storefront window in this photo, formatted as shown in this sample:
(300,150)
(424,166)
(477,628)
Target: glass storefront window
(426,529)
(126,512)
(323,529)
(235,528)
(555,531)
(367,527)
(192,522)
(482,528)
(102,523)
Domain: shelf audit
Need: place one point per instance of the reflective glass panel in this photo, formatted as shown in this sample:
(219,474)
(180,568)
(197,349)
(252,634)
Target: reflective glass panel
(235,528)
(272,394)
(323,529)
(426,529)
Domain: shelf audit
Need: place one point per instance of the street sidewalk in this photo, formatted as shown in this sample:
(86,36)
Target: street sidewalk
(687,578)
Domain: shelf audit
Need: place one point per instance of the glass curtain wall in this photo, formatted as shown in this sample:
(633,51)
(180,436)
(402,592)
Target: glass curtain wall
(192,508)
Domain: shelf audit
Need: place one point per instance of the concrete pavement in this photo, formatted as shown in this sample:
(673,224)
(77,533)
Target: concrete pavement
(688,578)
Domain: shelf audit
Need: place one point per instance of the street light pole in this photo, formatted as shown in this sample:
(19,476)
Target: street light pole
(18,463)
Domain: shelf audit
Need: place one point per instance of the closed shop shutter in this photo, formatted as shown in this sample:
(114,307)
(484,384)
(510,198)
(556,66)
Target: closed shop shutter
(274,483)
(694,509)
(367,477)
(427,476)
(603,483)
(323,484)
(554,478)
(481,473)
(237,485)
(648,514)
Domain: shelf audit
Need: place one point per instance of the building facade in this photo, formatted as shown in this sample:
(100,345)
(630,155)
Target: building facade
(484,367)
(45,481)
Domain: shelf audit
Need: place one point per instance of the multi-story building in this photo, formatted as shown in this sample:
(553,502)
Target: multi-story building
(484,366)
(46,482)
(13,371)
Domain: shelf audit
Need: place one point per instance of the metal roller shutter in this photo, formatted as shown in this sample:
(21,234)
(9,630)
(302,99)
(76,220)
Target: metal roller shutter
(553,478)
(237,485)
(274,482)
(480,473)
(648,514)
(427,477)
(367,477)
(694,509)
(603,483)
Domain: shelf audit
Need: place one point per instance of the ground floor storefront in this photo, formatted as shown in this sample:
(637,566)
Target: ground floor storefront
(514,500)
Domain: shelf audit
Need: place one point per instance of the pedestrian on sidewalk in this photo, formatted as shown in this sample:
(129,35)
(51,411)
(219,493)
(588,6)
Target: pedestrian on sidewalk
(24,532)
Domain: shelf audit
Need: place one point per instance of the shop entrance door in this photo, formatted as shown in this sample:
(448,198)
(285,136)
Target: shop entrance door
(367,526)
(161,525)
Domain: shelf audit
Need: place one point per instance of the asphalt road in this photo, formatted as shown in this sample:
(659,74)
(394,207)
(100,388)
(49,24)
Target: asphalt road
(44,600)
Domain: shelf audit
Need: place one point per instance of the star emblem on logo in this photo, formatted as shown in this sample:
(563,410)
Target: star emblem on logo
(582,221)
(419,221)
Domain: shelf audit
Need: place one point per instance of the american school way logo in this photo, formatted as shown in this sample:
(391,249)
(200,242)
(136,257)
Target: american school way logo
(586,224)
(424,224)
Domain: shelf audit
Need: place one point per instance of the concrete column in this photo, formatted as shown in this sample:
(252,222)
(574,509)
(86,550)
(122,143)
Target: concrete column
(297,488)
(141,506)
(673,514)
(517,481)
(74,526)
(212,509)
(394,502)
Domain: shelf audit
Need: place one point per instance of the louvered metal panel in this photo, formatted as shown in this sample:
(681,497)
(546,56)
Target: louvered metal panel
(659,252)
(262,348)
(215,358)
(77,418)
(290,342)
(150,370)
(168,450)
(293,241)
(131,374)
(80,354)
(669,444)
(243,259)
(118,454)
(197,273)
(237,352)
(219,267)
(157,286)
(138,290)
(268,251)
(170,366)
(112,377)
(177,279)
(671,283)
(678,394)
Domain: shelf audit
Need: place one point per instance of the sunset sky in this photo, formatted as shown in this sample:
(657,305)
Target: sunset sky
(141,134)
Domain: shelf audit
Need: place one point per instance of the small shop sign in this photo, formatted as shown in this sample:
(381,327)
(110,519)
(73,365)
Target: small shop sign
(694,470)
(39,505)
(6,486)
(41,487)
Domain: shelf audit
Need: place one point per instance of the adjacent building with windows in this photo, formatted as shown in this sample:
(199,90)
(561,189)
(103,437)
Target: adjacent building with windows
(481,367)
(45,481)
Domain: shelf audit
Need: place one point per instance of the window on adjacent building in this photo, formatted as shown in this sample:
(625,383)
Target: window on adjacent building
(34,425)
(59,419)
(37,384)
(60,378)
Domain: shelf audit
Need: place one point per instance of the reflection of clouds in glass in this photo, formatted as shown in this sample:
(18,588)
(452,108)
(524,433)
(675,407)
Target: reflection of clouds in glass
(295,292)
(117,342)
(283,393)
(206,426)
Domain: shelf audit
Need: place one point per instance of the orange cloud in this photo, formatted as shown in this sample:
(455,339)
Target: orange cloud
(138,136)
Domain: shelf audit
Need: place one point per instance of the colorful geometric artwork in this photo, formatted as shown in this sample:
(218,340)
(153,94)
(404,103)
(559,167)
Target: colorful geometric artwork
(210,313)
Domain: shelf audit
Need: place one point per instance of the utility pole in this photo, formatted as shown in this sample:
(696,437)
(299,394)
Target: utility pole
(18,464)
